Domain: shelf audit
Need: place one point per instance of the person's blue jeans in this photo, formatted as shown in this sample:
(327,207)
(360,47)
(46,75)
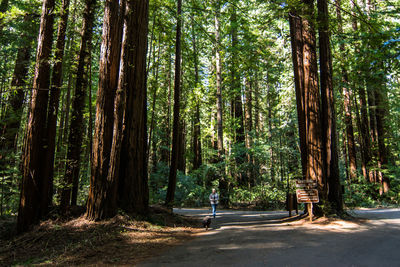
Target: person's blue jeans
(214,209)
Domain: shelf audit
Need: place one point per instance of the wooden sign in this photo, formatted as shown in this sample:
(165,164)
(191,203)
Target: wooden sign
(306,191)
(307,195)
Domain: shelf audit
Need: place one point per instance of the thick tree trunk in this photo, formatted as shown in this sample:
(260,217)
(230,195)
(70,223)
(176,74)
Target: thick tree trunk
(133,191)
(297,57)
(315,168)
(71,178)
(331,156)
(176,130)
(102,195)
(308,97)
(34,192)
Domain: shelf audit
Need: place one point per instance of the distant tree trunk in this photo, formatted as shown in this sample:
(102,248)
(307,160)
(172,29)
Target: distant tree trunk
(331,156)
(257,127)
(249,125)
(34,192)
(365,135)
(63,135)
(133,191)
(271,149)
(381,113)
(351,156)
(151,142)
(223,183)
(182,147)
(176,130)
(48,163)
(366,155)
(374,149)
(102,195)
(165,152)
(235,82)
(197,158)
(71,178)
(11,120)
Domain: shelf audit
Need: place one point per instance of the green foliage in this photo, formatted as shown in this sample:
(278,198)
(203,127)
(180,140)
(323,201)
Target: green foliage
(267,196)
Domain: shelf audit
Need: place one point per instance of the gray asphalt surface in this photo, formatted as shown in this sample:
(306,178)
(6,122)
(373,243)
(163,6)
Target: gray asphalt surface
(249,238)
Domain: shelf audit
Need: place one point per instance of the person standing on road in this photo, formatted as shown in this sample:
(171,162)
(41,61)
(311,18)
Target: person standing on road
(214,201)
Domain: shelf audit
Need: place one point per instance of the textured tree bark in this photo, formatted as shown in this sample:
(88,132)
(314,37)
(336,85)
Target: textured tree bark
(71,178)
(297,57)
(176,129)
(315,162)
(55,89)
(331,156)
(102,196)
(133,189)
(308,96)
(34,191)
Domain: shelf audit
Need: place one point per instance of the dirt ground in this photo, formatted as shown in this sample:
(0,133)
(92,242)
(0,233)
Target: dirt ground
(118,241)
(268,239)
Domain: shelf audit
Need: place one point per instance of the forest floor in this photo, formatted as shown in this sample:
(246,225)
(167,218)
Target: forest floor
(236,238)
(121,240)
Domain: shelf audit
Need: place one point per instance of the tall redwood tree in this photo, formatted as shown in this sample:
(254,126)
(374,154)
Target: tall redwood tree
(34,200)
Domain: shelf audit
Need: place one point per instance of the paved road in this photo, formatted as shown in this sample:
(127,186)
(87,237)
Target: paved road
(248,238)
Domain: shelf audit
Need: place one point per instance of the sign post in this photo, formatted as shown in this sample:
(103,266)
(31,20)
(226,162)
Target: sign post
(307,192)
